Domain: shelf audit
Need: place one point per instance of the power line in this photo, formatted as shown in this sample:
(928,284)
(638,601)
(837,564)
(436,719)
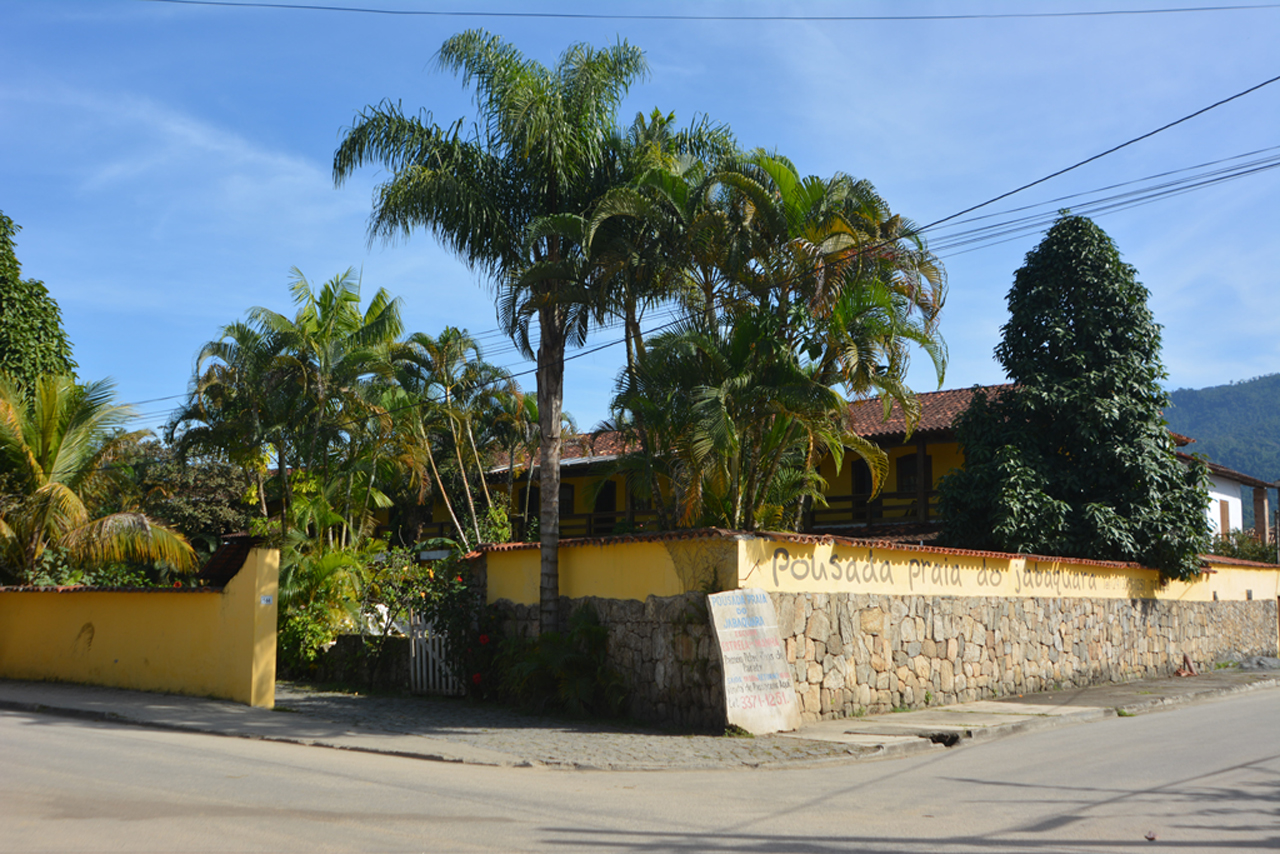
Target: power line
(604,16)
(990,201)
(971,239)
(1102,154)
(1072,167)
(985,235)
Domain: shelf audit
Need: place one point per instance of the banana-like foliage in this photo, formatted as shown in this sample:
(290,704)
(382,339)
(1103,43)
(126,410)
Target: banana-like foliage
(61,446)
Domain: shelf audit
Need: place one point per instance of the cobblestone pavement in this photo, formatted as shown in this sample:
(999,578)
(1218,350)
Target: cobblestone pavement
(553,742)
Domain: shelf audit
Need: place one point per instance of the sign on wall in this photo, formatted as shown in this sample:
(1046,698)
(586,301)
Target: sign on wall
(758,691)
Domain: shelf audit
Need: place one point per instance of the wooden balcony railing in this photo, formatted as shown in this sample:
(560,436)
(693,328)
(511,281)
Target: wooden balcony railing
(841,511)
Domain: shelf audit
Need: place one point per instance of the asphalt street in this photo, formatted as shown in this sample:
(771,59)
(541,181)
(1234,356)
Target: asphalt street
(1204,777)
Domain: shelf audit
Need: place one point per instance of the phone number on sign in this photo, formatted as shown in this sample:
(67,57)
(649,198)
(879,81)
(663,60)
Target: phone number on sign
(755,701)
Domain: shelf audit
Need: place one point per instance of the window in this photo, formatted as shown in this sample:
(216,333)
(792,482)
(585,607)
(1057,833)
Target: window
(861,477)
(907,481)
(607,497)
(535,499)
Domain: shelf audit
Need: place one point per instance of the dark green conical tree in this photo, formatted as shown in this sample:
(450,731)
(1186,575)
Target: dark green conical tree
(1075,459)
(32,340)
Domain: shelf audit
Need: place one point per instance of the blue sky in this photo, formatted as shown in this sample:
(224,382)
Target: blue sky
(169,164)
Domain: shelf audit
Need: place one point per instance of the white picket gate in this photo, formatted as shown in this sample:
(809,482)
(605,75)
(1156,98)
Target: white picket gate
(428,671)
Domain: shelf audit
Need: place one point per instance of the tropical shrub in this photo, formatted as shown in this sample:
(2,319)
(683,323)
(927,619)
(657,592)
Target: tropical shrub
(1244,545)
(62,452)
(565,672)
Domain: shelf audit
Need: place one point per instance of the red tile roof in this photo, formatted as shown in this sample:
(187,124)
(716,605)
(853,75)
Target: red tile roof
(1230,474)
(938,411)
(786,536)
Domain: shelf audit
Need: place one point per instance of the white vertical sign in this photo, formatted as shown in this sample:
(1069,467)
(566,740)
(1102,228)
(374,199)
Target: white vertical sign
(758,691)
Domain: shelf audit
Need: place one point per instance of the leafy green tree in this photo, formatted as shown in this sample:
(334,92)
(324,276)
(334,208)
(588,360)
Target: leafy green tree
(1074,459)
(538,150)
(62,457)
(203,497)
(32,340)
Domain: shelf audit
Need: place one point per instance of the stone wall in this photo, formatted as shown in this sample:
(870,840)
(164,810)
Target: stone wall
(869,653)
(856,653)
(353,660)
(664,649)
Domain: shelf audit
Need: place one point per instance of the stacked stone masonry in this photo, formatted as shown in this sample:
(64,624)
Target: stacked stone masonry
(664,649)
(864,653)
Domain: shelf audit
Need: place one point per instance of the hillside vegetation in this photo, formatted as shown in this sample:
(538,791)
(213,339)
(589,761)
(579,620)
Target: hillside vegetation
(1236,425)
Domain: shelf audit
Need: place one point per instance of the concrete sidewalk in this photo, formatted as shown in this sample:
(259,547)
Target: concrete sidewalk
(458,731)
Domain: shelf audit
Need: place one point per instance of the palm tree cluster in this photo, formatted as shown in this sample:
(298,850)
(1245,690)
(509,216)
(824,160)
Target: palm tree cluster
(786,290)
(785,287)
(354,432)
(341,414)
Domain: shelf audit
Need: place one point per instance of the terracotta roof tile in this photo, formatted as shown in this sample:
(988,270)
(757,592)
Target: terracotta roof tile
(1240,477)
(1235,561)
(938,411)
(223,564)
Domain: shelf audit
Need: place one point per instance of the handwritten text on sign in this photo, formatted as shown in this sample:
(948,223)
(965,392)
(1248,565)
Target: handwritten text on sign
(758,692)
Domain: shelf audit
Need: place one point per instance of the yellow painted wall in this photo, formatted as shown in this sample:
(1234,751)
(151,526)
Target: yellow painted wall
(636,570)
(946,456)
(202,643)
(839,482)
(841,568)
(620,570)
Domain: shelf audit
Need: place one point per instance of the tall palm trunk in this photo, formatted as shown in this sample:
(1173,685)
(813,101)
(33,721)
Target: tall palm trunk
(444,495)
(462,468)
(475,453)
(262,491)
(550,400)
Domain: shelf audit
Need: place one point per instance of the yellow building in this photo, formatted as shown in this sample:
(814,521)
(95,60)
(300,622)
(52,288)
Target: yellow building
(594,502)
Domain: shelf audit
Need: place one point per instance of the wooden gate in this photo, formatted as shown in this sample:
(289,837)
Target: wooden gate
(428,671)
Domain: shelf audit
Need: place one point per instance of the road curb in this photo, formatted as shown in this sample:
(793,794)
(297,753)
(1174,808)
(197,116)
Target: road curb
(116,718)
(890,748)
(1159,703)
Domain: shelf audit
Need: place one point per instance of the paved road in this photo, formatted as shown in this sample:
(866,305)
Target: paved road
(1200,778)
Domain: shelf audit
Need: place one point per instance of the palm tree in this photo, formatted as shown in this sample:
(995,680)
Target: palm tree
(236,404)
(449,370)
(517,433)
(331,346)
(737,451)
(61,446)
(836,288)
(538,150)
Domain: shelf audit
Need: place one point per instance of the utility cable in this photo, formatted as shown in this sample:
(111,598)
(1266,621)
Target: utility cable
(606,16)
(1102,154)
